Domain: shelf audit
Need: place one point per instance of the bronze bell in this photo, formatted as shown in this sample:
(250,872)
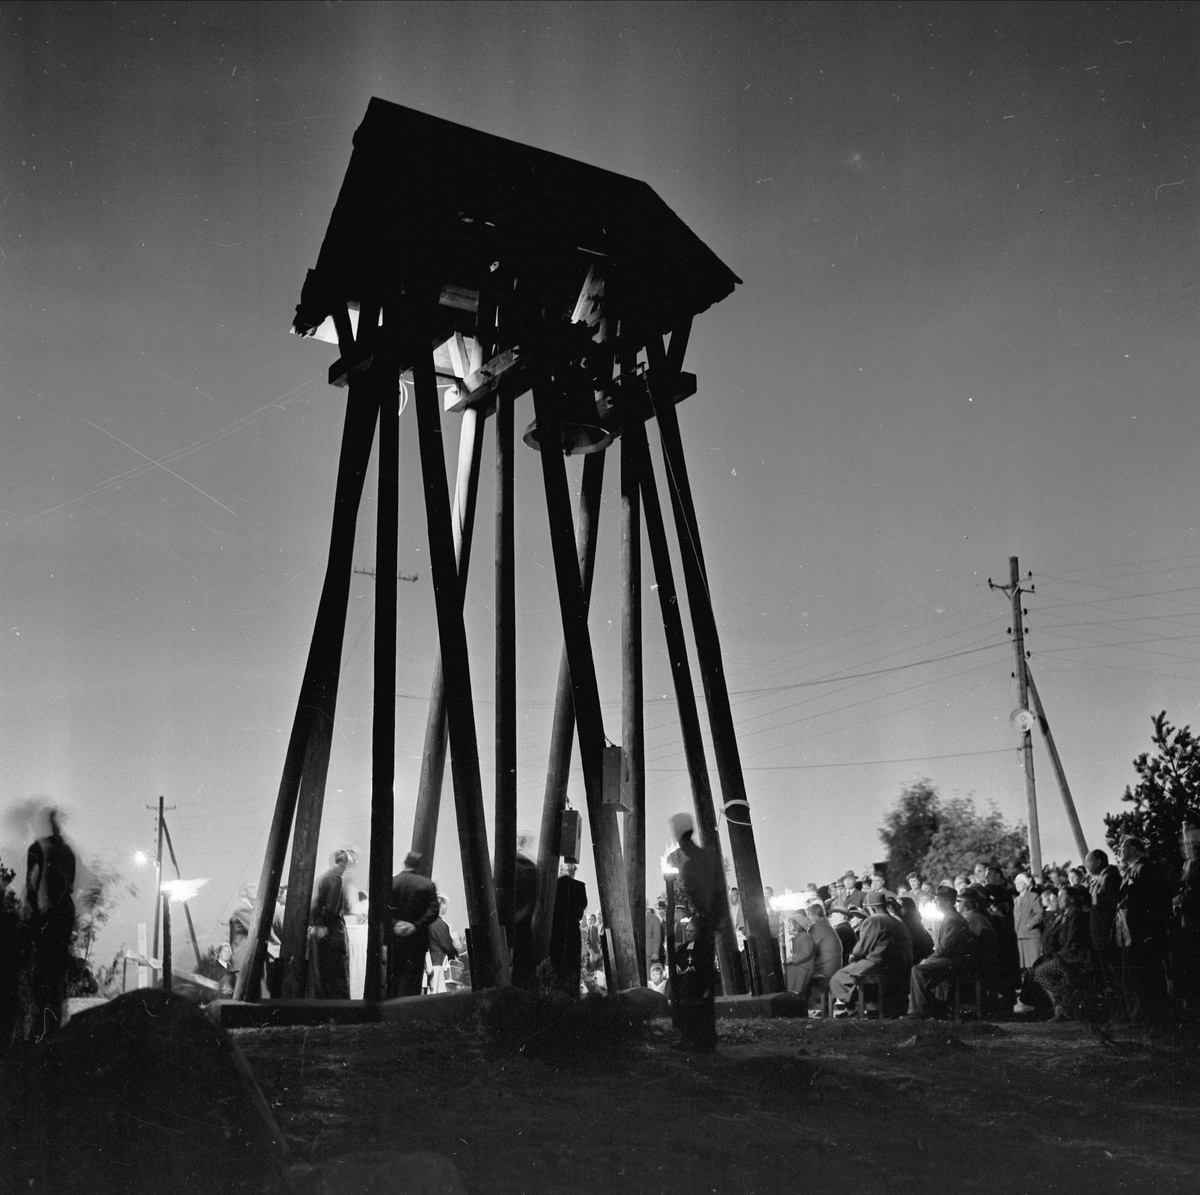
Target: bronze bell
(583,414)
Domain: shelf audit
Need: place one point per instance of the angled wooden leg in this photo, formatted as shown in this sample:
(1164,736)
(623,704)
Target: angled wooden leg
(606,842)
(562,733)
(632,705)
(505,824)
(433,757)
(489,963)
(712,673)
(383,724)
(685,693)
(318,694)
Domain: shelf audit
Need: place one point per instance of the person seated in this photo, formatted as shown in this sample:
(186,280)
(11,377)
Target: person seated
(953,958)
(800,953)
(990,967)
(844,930)
(829,953)
(922,940)
(1062,980)
(883,951)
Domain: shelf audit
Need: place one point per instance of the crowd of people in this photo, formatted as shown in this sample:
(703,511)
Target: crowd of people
(1099,942)
(1106,940)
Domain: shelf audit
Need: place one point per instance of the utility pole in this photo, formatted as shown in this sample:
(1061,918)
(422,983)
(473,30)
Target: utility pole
(1013,591)
(158,878)
(179,876)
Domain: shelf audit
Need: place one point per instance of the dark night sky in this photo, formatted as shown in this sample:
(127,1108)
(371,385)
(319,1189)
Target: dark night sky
(967,330)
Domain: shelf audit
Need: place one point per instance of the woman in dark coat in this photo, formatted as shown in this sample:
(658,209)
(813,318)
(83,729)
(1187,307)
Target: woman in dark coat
(1063,976)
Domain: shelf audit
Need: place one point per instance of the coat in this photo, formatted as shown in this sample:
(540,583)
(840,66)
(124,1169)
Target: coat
(1028,919)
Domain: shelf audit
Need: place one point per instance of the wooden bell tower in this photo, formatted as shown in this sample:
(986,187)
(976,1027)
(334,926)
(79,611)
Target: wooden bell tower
(509,270)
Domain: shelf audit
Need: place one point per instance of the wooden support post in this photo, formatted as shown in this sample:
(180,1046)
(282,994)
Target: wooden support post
(505,825)
(1059,771)
(562,732)
(685,693)
(433,757)
(383,720)
(606,841)
(318,695)
(1022,676)
(489,958)
(712,673)
(632,711)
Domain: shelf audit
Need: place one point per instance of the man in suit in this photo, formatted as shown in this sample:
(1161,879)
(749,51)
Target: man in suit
(883,951)
(953,957)
(1104,883)
(1143,913)
(413,907)
(1027,921)
(566,936)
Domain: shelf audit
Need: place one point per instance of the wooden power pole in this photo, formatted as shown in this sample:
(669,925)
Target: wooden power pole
(1013,590)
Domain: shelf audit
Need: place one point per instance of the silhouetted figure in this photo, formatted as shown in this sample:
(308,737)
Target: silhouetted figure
(49,925)
(1143,913)
(702,879)
(329,959)
(413,907)
(525,894)
(566,938)
(10,960)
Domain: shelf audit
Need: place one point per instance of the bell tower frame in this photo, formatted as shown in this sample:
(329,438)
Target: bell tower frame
(511,270)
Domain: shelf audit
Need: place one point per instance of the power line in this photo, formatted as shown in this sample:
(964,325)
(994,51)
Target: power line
(857,763)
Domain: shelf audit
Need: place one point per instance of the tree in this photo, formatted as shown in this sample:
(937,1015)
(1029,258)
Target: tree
(1169,781)
(940,839)
(908,830)
(965,837)
(96,900)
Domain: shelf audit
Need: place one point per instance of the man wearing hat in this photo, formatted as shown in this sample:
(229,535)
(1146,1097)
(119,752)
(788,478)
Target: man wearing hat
(953,955)
(883,951)
(413,907)
(854,894)
(703,881)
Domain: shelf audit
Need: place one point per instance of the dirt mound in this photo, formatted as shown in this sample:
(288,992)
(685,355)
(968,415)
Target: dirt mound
(140,1094)
(556,1029)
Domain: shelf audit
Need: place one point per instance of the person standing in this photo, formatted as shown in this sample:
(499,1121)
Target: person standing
(654,938)
(239,929)
(49,923)
(413,907)
(441,949)
(1028,919)
(566,933)
(1143,910)
(1186,906)
(702,878)
(329,956)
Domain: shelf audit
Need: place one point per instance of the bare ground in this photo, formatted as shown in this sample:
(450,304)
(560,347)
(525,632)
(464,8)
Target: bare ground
(782,1106)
